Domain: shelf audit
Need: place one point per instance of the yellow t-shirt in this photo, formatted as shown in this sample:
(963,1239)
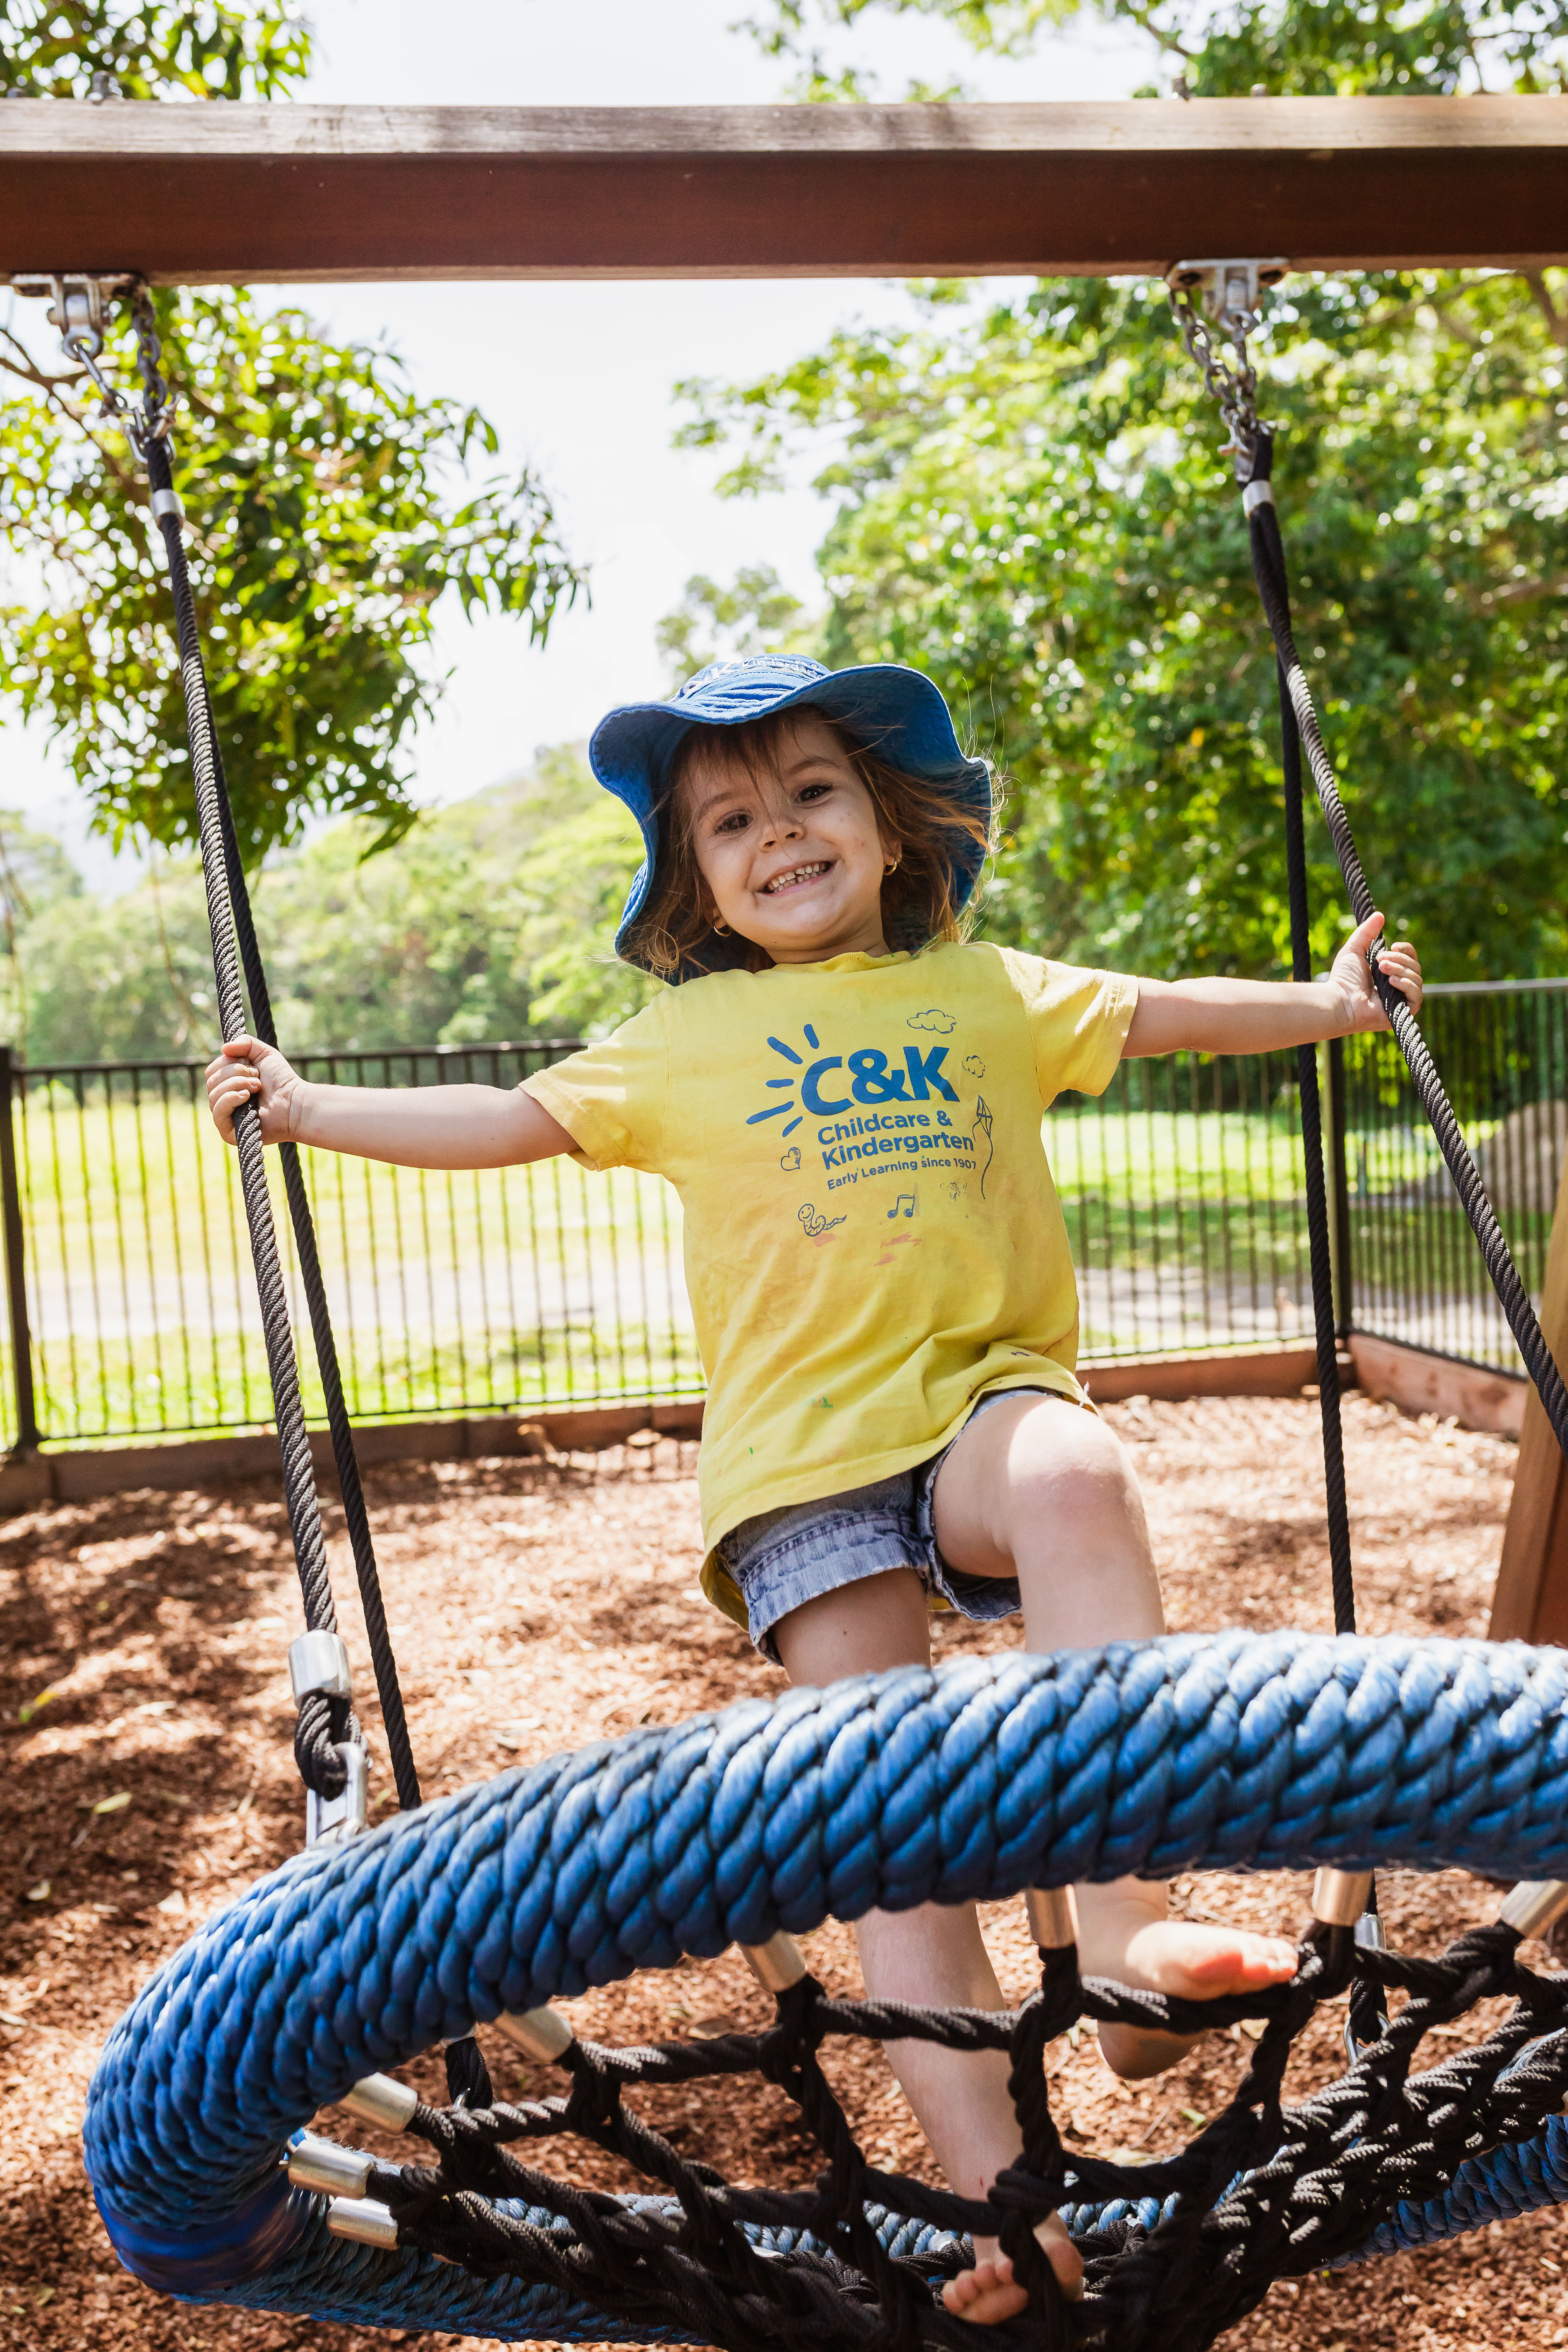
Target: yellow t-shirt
(872,1235)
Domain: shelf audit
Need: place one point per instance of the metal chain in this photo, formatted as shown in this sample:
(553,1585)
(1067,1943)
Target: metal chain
(155,421)
(1235,394)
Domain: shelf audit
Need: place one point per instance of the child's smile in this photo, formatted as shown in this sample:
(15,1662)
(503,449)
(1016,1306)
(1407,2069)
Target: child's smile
(794,861)
(797,877)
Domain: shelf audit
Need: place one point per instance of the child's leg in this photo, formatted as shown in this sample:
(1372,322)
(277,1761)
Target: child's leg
(1037,1489)
(933,1957)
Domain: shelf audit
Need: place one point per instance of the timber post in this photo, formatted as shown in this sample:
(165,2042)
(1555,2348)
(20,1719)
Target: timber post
(1530,1603)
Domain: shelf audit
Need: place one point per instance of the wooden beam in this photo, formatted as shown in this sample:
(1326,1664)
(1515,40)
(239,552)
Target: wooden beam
(1418,1381)
(194,193)
(1530,1603)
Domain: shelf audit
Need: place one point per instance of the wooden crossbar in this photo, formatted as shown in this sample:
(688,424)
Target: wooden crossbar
(220,193)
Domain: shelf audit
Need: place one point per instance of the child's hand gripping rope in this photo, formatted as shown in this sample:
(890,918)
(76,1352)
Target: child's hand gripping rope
(246,1071)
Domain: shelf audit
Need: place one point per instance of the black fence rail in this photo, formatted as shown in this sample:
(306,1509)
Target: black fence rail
(133,1309)
(1408,1268)
(479,1292)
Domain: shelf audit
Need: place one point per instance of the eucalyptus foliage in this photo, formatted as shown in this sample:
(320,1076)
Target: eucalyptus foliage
(1030,505)
(491,919)
(331,506)
(1301,46)
(60,48)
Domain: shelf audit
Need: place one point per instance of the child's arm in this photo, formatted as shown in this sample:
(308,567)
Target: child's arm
(1258,1016)
(413,1127)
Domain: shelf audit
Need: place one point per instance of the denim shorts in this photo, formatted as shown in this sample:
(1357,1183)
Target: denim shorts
(782,1558)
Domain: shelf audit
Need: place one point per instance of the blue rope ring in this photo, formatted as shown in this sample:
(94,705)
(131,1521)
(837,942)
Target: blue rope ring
(1226,1752)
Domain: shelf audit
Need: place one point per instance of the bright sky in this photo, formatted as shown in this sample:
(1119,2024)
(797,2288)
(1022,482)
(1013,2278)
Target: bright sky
(578,377)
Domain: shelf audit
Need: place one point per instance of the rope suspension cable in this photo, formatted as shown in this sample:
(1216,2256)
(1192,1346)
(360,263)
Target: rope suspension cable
(1236,294)
(327,1732)
(1251,445)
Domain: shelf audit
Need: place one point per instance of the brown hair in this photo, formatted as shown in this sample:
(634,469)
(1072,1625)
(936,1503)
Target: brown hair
(674,933)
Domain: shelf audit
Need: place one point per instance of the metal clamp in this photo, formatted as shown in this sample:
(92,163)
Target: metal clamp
(333,1821)
(777,1965)
(315,2163)
(1053,1917)
(80,300)
(380,2099)
(541,2035)
(1232,290)
(1533,1904)
(1369,1938)
(365,2221)
(1340,1897)
(320,1662)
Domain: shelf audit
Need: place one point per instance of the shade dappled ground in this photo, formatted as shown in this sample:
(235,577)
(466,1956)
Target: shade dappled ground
(537,1606)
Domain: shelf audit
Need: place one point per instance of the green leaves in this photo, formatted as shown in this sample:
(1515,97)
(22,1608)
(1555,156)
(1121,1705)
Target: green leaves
(52,49)
(1030,505)
(1306,48)
(330,509)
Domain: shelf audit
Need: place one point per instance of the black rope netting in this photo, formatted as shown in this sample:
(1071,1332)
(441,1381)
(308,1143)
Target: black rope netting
(1266,2191)
(1176,2250)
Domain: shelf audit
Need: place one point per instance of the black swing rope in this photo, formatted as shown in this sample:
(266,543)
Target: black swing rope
(324,1723)
(1265,2191)
(1252,445)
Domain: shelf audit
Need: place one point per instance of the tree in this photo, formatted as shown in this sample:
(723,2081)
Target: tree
(1317,48)
(1027,503)
(493,919)
(331,506)
(754,614)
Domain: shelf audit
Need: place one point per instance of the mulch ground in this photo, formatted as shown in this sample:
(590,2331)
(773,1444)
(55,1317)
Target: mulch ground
(535,1606)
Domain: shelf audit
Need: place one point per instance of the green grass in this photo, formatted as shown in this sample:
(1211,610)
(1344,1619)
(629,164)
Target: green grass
(486,1290)
(539,1287)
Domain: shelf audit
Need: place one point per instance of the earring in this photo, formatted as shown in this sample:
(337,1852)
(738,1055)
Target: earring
(891,867)
(721,927)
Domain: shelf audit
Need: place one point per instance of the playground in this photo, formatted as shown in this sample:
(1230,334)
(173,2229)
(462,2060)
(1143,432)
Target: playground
(537,1606)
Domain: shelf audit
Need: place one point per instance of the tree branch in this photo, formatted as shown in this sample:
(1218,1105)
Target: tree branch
(1556,324)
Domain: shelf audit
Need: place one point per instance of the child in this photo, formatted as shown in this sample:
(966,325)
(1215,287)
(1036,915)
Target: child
(849,1099)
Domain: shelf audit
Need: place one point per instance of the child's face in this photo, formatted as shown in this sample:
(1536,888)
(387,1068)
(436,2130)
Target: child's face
(793,863)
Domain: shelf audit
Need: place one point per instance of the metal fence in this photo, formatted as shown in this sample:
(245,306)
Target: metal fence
(487,1291)
(1408,1266)
(134,1310)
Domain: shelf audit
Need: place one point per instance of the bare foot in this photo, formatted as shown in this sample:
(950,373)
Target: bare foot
(989,2292)
(1199,1963)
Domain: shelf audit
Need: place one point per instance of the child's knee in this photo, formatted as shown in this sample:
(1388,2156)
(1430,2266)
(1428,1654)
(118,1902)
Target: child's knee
(1073,1466)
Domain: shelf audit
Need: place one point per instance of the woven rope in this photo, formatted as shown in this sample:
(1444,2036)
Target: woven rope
(1234,1752)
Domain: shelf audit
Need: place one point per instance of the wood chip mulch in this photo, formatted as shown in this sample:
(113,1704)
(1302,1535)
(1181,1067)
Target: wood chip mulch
(538,1605)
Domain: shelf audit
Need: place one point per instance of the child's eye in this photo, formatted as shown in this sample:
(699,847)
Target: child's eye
(813,791)
(736,822)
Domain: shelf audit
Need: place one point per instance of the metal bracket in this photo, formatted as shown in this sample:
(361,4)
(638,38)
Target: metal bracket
(80,300)
(1369,1938)
(1232,291)
(333,1821)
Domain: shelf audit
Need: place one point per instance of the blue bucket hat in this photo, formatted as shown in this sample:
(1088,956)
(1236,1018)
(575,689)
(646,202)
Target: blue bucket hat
(896,712)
